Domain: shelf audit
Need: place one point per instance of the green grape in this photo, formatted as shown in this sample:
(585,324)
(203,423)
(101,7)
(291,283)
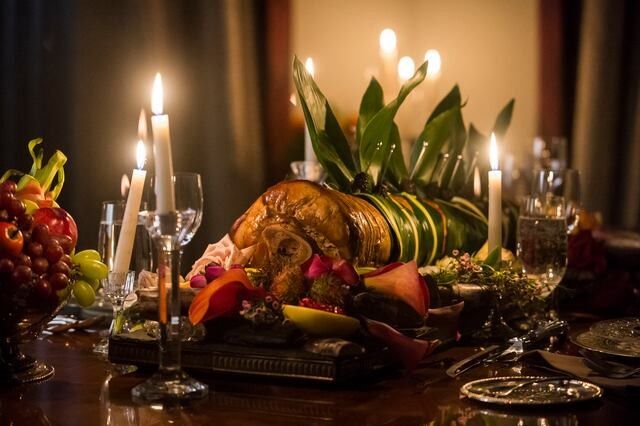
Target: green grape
(93,269)
(64,293)
(95,284)
(85,255)
(84,294)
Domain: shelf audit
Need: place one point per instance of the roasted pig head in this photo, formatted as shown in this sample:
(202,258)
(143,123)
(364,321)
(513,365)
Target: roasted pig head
(292,213)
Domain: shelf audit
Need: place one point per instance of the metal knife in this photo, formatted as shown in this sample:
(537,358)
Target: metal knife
(513,347)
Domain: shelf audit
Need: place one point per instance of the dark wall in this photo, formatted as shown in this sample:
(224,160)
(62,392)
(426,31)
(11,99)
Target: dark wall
(77,73)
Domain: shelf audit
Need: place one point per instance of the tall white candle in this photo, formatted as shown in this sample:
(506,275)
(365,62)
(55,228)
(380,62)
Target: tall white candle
(165,196)
(130,220)
(389,60)
(495,197)
(309,153)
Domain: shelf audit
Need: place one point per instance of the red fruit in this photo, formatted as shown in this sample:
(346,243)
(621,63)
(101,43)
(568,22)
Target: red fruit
(59,222)
(11,240)
(25,222)
(65,242)
(23,259)
(35,249)
(6,267)
(43,288)
(40,233)
(59,281)
(40,265)
(66,259)
(53,251)
(5,199)
(16,208)
(4,216)
(60,266)
(8,186)
(21,275)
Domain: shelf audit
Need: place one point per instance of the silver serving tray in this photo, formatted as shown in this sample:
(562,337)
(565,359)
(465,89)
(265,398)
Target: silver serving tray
(531,391)
(618,337)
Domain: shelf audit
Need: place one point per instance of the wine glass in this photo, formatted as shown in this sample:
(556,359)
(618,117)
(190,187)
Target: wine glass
(117,287)
(542,240)
(189,197)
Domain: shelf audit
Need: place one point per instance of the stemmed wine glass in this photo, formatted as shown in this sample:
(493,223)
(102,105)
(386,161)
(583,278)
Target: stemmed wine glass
(563,183)
(170,232)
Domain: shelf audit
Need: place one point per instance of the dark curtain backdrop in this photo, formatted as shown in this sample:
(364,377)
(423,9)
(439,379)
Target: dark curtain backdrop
(590,92)
(77,73)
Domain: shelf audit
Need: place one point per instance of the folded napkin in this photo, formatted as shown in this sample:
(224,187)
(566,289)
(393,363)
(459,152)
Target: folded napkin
(575,366)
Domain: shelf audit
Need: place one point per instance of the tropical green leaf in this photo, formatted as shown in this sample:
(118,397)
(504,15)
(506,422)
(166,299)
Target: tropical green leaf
(397,170)
(328,140)
(374,144)
(455,148)
(437,133)
(372,102)
(451,100)
(493,258)
(504,119)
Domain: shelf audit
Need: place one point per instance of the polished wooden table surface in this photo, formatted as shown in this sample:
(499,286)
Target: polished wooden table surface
(86,391)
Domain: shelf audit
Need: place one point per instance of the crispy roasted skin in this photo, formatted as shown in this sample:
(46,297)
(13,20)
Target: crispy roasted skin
(335,224)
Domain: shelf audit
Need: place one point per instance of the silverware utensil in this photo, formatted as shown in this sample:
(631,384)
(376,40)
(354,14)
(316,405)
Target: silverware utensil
(520,385)
(608,368)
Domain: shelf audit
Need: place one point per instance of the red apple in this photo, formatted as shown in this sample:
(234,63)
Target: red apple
(59,222)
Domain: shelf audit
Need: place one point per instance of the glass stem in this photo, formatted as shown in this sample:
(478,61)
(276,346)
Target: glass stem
(169,310)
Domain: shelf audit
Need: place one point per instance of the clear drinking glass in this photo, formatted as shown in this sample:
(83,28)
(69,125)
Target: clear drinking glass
(564,183)
(117,287)
(110,224)
(542,240)
(189,200)
(109,232)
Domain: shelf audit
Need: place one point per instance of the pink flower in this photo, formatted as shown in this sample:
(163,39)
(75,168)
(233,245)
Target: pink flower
(319,266)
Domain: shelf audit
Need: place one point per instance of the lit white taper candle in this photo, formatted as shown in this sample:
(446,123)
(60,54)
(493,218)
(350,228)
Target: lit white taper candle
(309,153)
(389,59)
(127,235)
(165,196)
(495,197)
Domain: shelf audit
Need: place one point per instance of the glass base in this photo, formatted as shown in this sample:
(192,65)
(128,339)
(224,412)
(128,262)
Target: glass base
(18,368)
(169,386)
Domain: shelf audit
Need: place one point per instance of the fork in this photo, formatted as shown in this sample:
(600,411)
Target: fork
(526,383)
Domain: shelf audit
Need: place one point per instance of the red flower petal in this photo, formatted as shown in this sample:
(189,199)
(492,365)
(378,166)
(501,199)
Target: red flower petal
(409,351)
(345,271)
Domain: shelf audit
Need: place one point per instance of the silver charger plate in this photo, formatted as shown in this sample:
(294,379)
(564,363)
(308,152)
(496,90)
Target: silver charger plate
(531,390)
(623,329)
(612,337)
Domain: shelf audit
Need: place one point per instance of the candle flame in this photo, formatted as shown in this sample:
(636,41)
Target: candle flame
(142,125)
(157,95)
(493,152)
(141,154)
(388,40)
(406,68)
(435,63)
(124,185)
(308,64)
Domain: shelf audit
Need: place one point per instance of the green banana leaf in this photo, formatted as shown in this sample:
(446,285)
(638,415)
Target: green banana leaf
(397,170)
(451,100)
(372,102)
(328,140)
(437,133)
(455,148)
(465,231)
(504,119)
(374,144)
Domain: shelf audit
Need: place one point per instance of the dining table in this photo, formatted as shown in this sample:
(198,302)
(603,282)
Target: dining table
(88,390)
